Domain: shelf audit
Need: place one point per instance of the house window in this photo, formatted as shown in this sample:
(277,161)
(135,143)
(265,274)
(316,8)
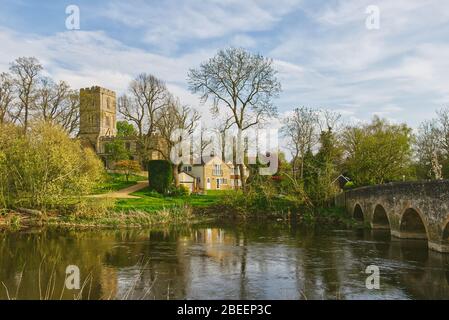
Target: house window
(217,170)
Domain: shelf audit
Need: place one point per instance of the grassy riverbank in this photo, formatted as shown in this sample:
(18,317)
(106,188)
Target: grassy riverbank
(116,181)
(150,202)
(148,208)
(175,215)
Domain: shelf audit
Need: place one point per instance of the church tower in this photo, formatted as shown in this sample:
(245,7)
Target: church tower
(98,115)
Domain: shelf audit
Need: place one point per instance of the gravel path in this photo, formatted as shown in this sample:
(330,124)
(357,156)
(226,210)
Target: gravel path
(125,193)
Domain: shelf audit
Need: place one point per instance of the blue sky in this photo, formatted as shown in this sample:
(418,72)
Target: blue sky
(325,55)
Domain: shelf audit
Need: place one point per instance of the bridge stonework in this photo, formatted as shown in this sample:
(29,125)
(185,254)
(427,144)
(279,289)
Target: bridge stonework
(410,210)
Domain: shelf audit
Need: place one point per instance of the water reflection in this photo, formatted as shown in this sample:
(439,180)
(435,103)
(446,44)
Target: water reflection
(253,261)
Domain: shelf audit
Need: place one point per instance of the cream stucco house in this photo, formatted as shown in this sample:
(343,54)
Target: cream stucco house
(214,174)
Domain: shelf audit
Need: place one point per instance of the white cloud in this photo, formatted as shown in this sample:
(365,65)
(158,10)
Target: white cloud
(325,56)
(84,59)
(170,22)
(403,64)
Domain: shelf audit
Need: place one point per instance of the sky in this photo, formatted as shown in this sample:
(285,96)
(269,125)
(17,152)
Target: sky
(325,54)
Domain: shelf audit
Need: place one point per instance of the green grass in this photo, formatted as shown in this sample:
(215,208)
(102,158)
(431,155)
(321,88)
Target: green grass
(117,181)
(151,201)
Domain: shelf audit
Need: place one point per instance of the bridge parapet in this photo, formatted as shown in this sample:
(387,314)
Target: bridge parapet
(412,210)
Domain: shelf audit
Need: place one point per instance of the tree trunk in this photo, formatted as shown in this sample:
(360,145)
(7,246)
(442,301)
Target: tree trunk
(176,175)
(242,176)
(25,122)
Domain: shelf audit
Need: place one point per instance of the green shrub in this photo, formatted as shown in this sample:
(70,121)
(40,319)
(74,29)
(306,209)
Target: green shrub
(160,175)
(349,185)
(181,191)
(44,168)
(260,201)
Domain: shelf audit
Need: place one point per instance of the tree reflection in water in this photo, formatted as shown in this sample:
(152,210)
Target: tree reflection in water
(250,261)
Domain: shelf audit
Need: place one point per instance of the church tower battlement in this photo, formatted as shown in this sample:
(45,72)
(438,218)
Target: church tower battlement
(98,115)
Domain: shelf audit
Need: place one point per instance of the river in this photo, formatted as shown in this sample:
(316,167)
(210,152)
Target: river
(216,261)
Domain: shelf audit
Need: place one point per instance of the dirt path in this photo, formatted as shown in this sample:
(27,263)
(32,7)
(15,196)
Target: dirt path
(125,193)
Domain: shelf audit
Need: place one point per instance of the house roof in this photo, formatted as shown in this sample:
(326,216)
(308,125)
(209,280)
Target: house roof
(341,180)
(184,177)
(188,174)
(209,161)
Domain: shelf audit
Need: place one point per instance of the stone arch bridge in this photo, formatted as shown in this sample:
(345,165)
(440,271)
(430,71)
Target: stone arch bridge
(410,210)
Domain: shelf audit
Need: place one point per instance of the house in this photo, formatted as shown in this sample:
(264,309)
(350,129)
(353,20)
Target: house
(188,181)
(341,181)
(214,174)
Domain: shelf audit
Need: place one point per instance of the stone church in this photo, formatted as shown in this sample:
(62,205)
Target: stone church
(98,127)
(98,124)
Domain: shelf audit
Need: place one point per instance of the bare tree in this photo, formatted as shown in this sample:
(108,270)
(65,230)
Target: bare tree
(443,129)
(432,143)
(57,103)
(70,122)
(436,167)
(428,145)
(201,144)
(26,74)
(222,128)
(6,96)
(329,120)
(174,118)
(300,130)
(241,82)
(146,99)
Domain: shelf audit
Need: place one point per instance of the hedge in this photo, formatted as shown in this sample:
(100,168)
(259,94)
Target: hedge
(160,175)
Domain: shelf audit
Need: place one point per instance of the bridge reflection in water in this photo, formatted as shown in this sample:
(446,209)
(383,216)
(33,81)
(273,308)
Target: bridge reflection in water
(410,210)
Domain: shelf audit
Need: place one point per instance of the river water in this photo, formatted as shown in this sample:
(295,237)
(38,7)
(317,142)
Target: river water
(251,261)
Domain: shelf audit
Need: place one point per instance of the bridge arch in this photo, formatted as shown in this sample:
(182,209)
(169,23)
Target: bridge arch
(414,209)
(380,218)
(413,225)
(357,213)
